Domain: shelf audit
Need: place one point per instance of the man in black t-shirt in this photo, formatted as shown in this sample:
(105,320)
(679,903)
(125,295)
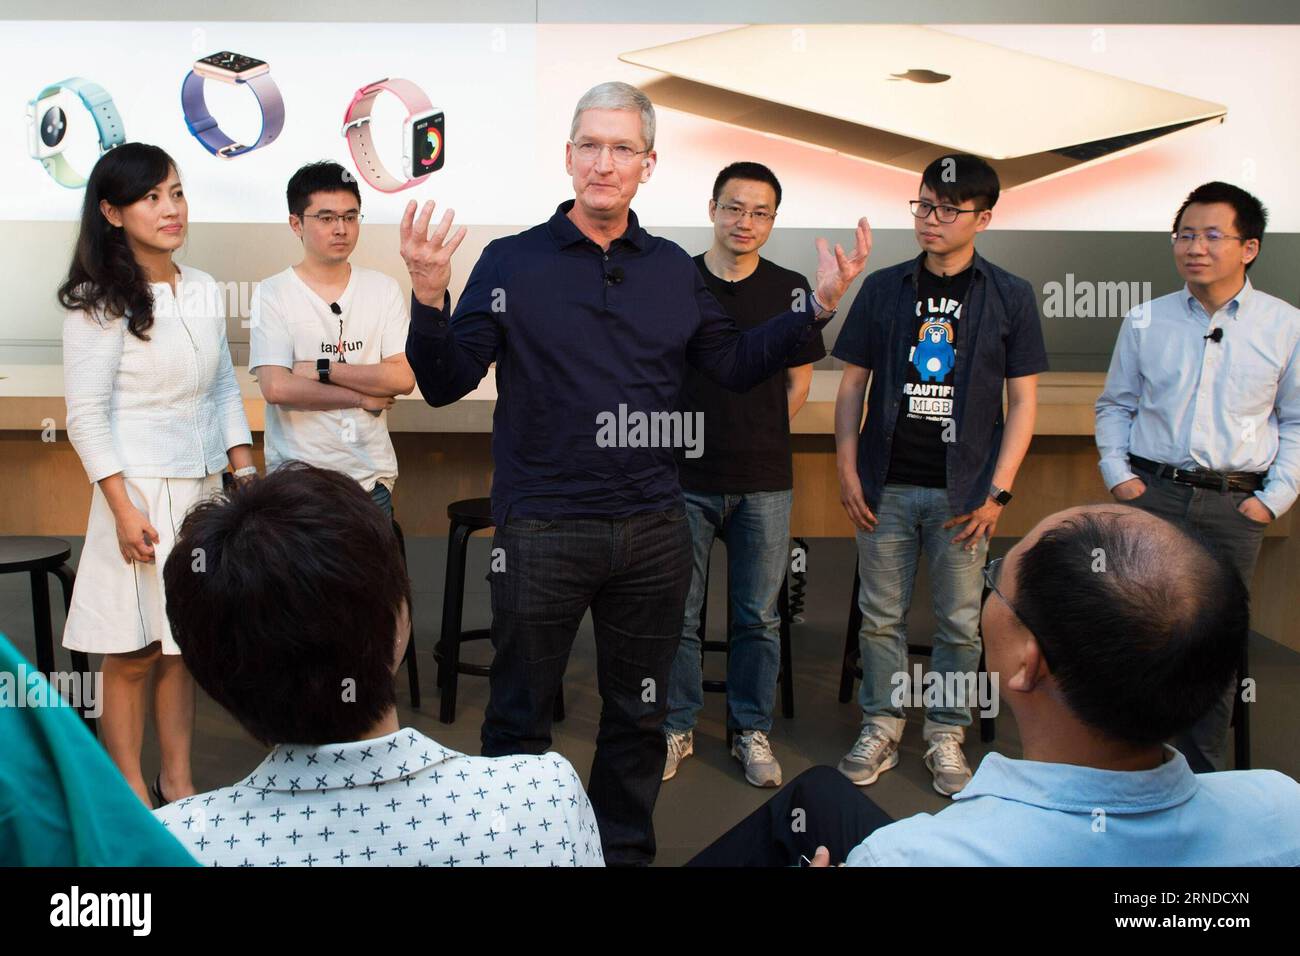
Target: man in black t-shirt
(938,337)
(739,484)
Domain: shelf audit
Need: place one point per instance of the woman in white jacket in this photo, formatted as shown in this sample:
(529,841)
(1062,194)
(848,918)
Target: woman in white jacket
(155,414)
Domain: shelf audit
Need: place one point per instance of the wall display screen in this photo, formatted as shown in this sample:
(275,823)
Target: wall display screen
(1091,128)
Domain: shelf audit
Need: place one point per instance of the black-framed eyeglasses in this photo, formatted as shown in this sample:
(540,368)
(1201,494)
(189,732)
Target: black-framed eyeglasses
(946,214)
(992,572)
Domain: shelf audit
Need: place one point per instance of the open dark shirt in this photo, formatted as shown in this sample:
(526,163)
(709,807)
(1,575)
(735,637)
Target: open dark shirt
(999,337)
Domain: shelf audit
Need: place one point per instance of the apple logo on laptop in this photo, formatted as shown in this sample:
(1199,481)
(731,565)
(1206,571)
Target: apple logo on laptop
(921,76)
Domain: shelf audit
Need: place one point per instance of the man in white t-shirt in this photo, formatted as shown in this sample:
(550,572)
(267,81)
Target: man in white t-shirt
(328,342)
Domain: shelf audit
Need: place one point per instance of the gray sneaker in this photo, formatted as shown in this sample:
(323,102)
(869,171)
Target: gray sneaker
(755,755)
(680,746)
(872,755)
(947,763)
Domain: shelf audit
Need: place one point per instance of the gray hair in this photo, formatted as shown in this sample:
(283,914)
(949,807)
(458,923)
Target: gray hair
(618,96)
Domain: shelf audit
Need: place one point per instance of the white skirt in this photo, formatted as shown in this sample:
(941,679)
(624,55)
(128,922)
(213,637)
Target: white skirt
(119,607)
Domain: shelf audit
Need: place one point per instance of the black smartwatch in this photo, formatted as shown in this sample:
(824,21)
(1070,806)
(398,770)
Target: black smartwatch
(323,370)
(1000,495)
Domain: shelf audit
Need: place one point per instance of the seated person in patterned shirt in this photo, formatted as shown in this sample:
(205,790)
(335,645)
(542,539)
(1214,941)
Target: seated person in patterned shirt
(290,603)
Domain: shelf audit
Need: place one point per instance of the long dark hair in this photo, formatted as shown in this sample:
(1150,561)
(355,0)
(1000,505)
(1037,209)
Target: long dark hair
(104,275)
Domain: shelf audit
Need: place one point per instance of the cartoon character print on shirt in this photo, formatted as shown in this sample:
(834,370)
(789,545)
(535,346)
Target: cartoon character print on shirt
(930,398)
(934,356)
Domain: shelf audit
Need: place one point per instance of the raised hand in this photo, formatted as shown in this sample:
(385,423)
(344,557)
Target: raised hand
(836,270)
(428,257)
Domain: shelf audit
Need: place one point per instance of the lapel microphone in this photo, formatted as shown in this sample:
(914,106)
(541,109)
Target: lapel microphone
(334,307)
(1215,336)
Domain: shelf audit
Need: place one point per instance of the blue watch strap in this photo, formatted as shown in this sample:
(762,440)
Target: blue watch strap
(205,129)
(107,121)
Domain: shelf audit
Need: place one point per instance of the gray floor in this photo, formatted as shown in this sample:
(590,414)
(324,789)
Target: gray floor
(709,794)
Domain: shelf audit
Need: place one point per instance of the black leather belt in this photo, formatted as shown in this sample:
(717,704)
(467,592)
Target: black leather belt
(1201,477)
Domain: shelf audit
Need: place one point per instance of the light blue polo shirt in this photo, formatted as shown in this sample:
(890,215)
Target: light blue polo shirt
(1031,813)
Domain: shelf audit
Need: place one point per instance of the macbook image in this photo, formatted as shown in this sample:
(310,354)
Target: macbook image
(900,96)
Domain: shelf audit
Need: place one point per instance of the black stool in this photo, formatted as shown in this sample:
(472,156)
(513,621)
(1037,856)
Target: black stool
(39,557)
(410,659)
(467,516)
(786,675)
(852,667)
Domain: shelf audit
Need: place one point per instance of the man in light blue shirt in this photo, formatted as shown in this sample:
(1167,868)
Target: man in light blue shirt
(1109,628)
(1200,417)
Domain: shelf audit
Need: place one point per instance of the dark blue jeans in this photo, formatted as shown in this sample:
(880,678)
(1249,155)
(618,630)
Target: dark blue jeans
(383,498)
(756,528)
(633,573)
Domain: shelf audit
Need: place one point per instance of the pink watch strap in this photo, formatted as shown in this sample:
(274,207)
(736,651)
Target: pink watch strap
(356,127)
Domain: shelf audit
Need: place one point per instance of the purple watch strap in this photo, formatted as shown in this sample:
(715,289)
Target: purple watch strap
(205,128)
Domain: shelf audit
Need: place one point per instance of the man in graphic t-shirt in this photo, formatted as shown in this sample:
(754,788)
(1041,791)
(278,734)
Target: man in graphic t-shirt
(939,337)
(738,481)
(328,342)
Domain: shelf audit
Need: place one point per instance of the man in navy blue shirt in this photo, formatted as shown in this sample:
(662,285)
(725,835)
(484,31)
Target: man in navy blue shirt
(939,336)
(592,321)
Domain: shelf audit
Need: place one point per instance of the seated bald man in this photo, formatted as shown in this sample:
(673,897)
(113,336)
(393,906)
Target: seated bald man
(1110,630)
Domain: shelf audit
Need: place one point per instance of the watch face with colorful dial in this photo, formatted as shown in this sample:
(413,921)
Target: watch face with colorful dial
(427,146)
(230,66)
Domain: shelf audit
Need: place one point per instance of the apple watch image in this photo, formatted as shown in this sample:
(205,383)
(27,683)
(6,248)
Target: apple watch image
(47,127)
(236,68)
(423,136)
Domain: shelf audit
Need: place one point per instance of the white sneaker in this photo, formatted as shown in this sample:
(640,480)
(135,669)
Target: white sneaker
(680,746)
(947,763)
(754,752)
(872,754)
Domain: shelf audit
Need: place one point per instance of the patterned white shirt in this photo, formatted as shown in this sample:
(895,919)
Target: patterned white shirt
(399,800)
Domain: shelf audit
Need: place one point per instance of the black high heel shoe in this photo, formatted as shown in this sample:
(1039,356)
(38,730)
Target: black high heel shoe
(155,791)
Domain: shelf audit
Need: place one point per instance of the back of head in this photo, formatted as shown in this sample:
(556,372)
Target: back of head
(284,599)
(1141,624)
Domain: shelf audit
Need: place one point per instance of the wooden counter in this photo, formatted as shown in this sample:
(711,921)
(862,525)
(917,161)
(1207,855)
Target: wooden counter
(444,455)
(29,394)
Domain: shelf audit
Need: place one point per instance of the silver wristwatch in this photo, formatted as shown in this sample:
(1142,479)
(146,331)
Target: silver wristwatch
(820,311)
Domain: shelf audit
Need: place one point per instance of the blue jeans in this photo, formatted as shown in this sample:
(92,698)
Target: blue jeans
(911,521)
(756,529)
(384,498)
